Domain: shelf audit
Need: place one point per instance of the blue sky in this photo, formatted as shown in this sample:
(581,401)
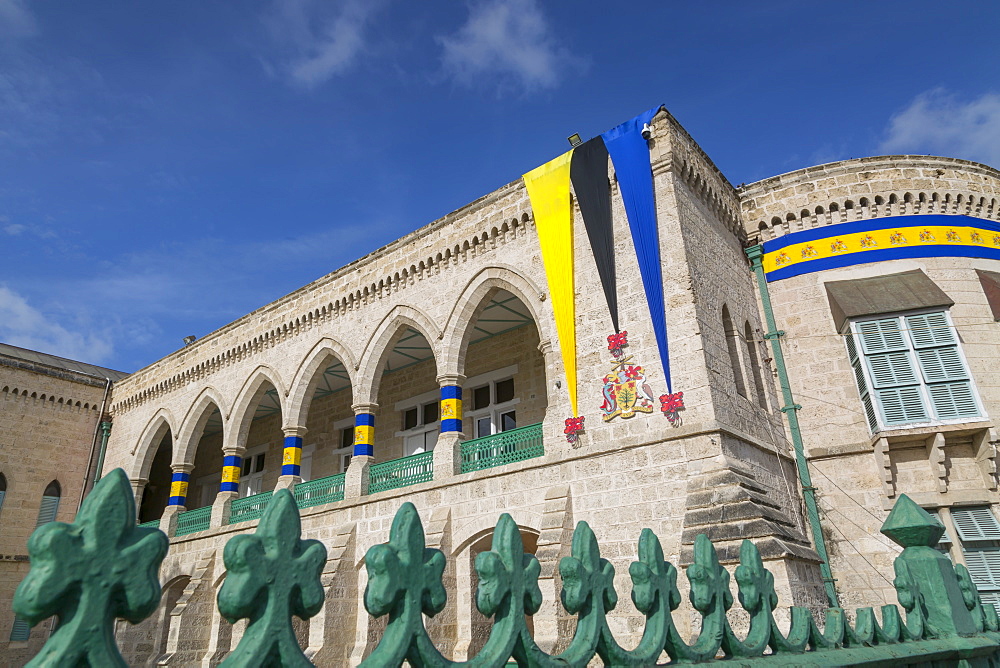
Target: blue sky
(166,167)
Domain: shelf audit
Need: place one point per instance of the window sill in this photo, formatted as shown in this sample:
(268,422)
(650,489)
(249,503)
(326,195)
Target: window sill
(925,429)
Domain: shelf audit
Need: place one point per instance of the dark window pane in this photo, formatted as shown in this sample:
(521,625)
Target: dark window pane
(247,462)
(344,463)
(259,463)
(484,427)
(347,437)
(430,413)
(480,397)
(505,390)
(410,419)
(508,421)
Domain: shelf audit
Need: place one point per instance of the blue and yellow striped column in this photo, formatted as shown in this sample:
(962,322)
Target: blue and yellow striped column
(179,487)
(451,408)
(291,458)
(364,434)
(232,465)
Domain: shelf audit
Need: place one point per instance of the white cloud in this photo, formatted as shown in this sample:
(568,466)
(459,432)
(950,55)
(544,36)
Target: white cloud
(14,229)
(15,20)
(25,326)
(318,40)
(939,122)
(507,43)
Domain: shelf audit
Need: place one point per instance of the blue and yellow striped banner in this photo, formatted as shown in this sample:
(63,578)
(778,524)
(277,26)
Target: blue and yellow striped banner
(451,408)
(891,238)
(291,458)
(231,467)
(364,434)
(178,489)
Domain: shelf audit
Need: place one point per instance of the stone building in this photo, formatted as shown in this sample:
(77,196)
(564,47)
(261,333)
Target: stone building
(50,435)
(439,370)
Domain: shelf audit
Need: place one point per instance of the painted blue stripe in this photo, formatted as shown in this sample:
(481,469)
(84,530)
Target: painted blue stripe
(232,460)
(229,487)
(180,476)
(293,441)
(451,425)
(175,501)
(451,392)
(290,469)
(864,257)
(364,420)
(364,449)
(841,229)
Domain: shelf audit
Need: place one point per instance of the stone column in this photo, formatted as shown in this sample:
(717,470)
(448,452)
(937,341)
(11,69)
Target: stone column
(557,397)
(291,460)
(448,451)
(229,488)
(178,497)
(356,480)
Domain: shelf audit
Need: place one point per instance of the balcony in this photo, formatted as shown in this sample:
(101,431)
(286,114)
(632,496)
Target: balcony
(193,520)
(504,448)
(320,491)
(401,472)
(249,507)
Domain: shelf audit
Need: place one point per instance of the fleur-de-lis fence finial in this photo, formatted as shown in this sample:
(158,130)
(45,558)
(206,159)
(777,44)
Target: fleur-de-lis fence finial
(88,573)
(271,575)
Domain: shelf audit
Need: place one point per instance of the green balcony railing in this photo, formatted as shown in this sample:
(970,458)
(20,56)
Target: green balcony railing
(249,507)
(401,472)
(317,492)
(193,520)
(503,448)
(152,524)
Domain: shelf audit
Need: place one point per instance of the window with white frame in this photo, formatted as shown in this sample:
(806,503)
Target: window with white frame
(979,537)
(252,476)
(491,407)
(345,438)
(420,423)
(910,370)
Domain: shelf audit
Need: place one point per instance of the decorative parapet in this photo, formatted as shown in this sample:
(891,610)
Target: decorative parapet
(945,621)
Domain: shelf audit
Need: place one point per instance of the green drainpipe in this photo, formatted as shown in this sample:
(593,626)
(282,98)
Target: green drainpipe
(105,433)
(790,409)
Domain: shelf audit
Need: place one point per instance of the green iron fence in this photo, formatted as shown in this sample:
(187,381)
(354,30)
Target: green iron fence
(193,520)
(152,524)
(401,472)
(320,491)
(249,507)
(504,448)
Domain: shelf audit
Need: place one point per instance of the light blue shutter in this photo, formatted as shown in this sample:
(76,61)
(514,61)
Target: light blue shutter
(942,367)
(991,598)
(2,493)
(895,383)
(984,566)
(47,513)
(975,524)
(20,631)
(859,376)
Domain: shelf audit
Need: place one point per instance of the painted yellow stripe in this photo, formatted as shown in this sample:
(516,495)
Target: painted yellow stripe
(230,474)
(451,409)
(364,435)
(548,189)
(292,456)
(893,237)
(179,488)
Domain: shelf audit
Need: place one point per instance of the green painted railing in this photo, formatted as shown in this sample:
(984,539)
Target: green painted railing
(249,507)
(318,492)
(152,524)
(504,448)
(401,472)
(193,520)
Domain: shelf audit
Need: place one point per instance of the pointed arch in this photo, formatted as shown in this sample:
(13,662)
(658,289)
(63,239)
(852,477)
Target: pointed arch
(193,426)
(248,398)
(161,423)
(474,299)
(381,342)
(307,376)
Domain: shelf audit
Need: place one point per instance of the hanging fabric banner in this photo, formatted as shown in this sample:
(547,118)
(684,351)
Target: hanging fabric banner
(589,173)
(630,155)
(548,189)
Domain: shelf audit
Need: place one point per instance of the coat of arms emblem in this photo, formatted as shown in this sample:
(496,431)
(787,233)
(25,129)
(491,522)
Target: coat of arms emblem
(626,391)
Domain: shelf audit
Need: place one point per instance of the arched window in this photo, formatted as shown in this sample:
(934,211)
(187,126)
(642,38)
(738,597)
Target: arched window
(732,345)
(50,504)
(758,380)
(3,489)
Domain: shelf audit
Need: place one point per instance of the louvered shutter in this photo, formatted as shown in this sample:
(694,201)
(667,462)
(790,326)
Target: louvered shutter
(991,598)
(20,631)
(895,383)
(945,541)
(879,336)
(859,377)
(47,513)
(975,524)
(2,493)
(941,366)
(930,329)
(984,566)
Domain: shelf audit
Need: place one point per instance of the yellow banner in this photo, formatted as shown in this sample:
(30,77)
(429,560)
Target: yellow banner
(548,189)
